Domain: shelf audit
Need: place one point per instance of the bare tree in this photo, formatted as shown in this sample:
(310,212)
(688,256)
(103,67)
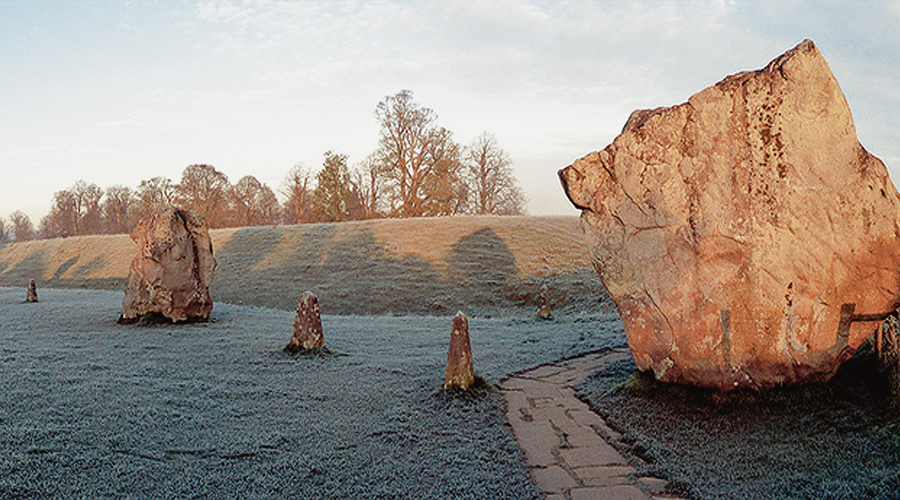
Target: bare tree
(4,234)
(87,205)
(488,172)
(62,220)
(413,155)
(118,209)
(205,190)
(75,211)
(370,181)
(152,194)
(22,228)
(443,185)
(297,190)
(253,203)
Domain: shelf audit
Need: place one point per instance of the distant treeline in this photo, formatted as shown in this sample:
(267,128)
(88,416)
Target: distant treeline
(416,171)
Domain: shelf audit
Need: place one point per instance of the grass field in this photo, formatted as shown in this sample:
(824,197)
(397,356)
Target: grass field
(93,409)
(482,265)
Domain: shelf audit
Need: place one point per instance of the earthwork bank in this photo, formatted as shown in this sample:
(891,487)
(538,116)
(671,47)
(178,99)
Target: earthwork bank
(436,266)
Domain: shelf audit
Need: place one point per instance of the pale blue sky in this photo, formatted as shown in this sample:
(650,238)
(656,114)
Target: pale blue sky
(116,92)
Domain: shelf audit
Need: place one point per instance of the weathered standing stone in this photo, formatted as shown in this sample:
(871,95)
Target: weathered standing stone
(544,310)
(31,294)
(169,278)
(460,370)
(746,236)
(307,333)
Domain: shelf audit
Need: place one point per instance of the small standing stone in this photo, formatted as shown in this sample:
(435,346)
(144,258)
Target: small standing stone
(544,311)
(307,333)
(460,371)
(31,296)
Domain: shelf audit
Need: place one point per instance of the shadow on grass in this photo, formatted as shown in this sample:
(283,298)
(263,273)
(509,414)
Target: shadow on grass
(314,352)
(35,266)
(159,319)
(479,390)
(830,440)
(31,267)
(65,266)
(353,273)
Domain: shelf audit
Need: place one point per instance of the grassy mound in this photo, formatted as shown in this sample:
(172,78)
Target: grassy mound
(484,265)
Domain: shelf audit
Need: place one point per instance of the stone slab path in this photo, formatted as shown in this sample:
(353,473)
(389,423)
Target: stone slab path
(566,445)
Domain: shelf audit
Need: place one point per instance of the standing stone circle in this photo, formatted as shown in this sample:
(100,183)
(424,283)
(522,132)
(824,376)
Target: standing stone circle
(460,369)
(307,334)
(169,278)
(746,236)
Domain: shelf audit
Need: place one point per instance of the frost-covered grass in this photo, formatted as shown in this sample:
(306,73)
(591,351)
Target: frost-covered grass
(93,409)
(819,441)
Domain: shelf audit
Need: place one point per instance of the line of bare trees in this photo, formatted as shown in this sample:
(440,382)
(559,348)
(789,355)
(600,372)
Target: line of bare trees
(418,170)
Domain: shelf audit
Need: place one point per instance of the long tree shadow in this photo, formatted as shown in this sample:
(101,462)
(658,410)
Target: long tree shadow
(353,273)
(349,270)
(484,257)
(37,265)
(31,267)
(484,266)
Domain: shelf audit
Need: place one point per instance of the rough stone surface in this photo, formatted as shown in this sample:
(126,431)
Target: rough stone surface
(746,236)
(460,370)
(31,295)
(169,278)
(544,310)
(307,333)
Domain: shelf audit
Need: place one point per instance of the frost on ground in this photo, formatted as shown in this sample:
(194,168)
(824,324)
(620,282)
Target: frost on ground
(93,409)
(837,440)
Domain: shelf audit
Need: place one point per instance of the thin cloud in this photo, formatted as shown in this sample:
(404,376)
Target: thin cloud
(256,87)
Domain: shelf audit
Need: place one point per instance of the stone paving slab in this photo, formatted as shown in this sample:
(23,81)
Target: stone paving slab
(592,456)
(618,492)
(605,475)
(552,478)
(566,444)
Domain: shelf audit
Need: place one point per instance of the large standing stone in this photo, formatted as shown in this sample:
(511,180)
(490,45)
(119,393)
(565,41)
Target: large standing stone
(31,294)
(746,236)
(460,370)
(169,279)
(307,333)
